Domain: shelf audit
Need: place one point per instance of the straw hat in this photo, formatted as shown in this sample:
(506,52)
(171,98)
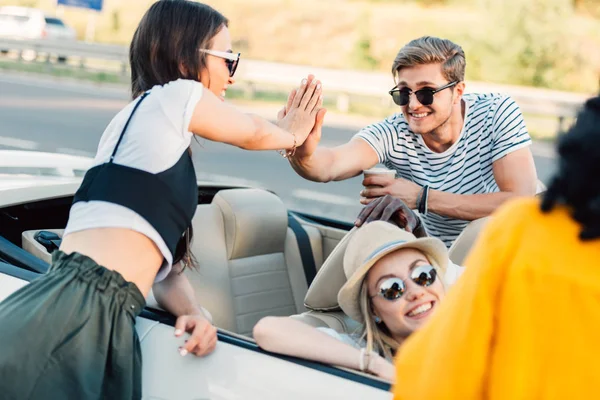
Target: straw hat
(372,242)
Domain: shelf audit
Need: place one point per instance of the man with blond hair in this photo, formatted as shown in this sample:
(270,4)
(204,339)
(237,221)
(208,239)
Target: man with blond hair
(457,156)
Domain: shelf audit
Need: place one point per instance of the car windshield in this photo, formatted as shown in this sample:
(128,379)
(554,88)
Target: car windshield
(54,21)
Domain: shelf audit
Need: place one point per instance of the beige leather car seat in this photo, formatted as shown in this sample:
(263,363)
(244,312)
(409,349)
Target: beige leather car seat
(249,262)
(336,320)
(321,298)
(540,187)
(465,241)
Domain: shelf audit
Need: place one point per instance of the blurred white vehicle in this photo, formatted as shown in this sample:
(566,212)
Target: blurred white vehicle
(31,23)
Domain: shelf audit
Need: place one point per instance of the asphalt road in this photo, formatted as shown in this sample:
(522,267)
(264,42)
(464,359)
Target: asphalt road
(68,117)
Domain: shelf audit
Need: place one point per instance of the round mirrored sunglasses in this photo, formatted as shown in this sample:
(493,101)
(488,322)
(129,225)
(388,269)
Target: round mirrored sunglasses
(393,288)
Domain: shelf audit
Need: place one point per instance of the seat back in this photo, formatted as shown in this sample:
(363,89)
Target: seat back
(336,320)
(540,187)
(249,260)
(321,298)
(464,242)
(249,263)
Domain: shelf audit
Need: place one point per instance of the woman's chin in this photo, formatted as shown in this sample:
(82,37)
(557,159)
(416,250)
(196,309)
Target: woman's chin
(220,94)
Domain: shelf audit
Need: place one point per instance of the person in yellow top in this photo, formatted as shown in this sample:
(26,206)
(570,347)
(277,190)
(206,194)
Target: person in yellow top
(523,321)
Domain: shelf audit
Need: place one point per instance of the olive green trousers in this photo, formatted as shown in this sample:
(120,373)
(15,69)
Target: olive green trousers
(70,334)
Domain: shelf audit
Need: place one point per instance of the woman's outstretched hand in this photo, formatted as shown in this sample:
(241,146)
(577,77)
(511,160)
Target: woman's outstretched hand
(313,139)
(203,337)
(302,108)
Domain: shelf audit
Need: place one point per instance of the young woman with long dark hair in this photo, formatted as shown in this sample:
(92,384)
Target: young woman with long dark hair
(70,334)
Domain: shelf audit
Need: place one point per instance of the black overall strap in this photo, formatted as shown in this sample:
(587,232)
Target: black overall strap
(125,127)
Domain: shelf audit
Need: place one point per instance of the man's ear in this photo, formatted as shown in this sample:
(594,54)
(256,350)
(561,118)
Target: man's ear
(459,90)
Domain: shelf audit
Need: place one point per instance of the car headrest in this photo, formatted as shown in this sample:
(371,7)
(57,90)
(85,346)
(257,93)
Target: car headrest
(335,320)
(322,293)
(465,241)
(540,187)
(255,222)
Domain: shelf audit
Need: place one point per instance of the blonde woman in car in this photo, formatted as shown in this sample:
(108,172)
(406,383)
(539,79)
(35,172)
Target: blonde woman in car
(394,284)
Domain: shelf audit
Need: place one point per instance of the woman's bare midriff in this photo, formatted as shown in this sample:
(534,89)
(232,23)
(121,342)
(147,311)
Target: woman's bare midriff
(128,252)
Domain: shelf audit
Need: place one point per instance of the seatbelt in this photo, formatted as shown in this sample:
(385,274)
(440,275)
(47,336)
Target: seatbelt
(306,253)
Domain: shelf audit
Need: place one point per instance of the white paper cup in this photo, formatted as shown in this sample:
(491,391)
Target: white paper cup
(381,172)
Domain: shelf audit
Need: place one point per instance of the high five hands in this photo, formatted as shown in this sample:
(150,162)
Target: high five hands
(314,137)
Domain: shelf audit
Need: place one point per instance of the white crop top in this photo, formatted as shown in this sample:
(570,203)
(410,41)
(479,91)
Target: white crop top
(156,137)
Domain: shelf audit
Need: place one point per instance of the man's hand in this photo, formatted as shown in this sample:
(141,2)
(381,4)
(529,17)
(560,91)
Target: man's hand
(314,137)
(203,337)
(378,186)
(391,209)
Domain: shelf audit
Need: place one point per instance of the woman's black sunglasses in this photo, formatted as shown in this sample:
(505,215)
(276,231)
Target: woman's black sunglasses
(425,96)
(233,64)
(393,288)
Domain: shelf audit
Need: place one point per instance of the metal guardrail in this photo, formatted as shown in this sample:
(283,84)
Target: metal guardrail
(344,83)
(69,48)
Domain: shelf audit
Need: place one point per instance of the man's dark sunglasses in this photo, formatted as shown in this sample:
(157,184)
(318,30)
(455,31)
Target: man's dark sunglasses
(393,288)
(425,96)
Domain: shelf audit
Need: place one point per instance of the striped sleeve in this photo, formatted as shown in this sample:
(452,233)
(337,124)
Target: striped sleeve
(508,129)
(379,136)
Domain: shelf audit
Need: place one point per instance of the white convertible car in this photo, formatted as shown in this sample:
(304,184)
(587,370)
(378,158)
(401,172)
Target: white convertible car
(256,259)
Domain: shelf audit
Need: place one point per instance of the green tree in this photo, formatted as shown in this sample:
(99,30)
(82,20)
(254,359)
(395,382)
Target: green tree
(362,57)
(362,53)
(528,42)
(116,20)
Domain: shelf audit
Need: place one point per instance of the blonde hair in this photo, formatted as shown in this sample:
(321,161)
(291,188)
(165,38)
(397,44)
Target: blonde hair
(377,337)
(432,50)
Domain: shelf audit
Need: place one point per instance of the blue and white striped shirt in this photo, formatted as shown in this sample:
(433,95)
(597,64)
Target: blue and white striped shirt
(493,128)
